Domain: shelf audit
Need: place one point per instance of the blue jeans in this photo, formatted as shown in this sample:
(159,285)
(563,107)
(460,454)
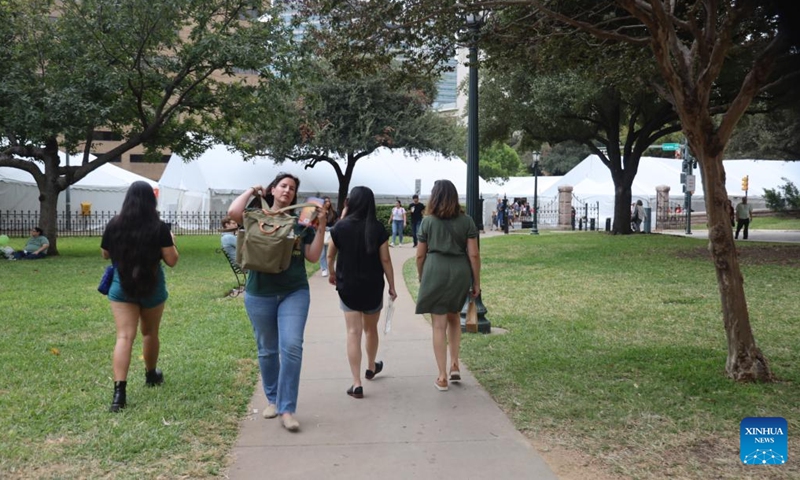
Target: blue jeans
(397,229)
(414,230)
(323,260)
(23,255)
(278,325)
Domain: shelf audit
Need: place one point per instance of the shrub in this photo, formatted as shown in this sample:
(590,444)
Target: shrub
(785,197)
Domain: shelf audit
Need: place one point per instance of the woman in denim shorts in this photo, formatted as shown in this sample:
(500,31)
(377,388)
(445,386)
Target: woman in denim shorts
(362,245)
(137,241)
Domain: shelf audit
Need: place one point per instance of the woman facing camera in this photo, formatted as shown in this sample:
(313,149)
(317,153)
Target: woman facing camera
(448,265)
(277,304)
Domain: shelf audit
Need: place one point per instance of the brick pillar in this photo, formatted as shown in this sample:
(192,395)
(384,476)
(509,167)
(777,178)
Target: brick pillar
(662,206)
(565,206)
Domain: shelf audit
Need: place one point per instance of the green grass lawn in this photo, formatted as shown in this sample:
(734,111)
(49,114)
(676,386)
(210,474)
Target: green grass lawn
(777,222)
(57,344)
(615,347)
(58,337)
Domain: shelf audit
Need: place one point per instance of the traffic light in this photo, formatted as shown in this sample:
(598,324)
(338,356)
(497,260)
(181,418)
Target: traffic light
(746,183)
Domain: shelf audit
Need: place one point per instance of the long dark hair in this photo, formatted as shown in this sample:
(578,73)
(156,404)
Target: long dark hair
(361,208)
(133,236)
(332,215)
(443,203)
(270,199)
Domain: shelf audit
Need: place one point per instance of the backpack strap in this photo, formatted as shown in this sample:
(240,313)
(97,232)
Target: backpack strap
(267,210)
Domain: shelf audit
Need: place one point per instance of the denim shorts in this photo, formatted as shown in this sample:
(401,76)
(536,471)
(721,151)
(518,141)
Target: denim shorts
(159,295)
(345,308)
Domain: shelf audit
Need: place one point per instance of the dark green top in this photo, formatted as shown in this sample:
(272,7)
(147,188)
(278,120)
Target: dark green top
(292,279)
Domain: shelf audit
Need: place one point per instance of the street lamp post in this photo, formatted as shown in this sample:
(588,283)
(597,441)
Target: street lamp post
(474,22)
(535,226)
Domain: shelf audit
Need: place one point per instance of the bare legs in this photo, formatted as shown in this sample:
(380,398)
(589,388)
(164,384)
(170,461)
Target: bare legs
(358,322)
(446,327)
(126,316)
(354,327)
(454,337)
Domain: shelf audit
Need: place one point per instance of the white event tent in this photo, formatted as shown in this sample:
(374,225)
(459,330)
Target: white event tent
(591,181)
(104,188)
(210,182)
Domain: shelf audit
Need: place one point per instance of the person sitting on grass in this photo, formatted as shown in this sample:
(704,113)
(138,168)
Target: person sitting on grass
(35,248)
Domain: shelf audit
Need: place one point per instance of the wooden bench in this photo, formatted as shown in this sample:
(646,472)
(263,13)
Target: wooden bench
(241,275)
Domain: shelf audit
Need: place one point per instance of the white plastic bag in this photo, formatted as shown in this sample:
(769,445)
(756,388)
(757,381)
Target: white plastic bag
(387,327)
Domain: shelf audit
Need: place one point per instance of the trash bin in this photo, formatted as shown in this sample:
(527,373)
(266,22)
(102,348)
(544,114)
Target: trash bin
(608,224)
(646,225)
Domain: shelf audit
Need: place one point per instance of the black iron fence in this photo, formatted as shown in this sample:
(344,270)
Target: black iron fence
(547,216)
(587,214)
(19,223)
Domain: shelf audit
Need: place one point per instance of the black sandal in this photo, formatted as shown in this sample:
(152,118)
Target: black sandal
(378,369)
(356,392)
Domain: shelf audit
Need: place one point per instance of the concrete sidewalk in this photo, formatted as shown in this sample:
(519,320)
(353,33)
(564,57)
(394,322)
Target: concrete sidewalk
(403,427)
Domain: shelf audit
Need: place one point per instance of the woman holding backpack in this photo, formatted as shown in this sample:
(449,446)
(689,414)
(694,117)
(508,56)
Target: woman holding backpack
(277,303)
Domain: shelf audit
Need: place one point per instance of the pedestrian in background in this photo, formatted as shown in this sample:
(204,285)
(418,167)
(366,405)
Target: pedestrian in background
(398,223)
(416,209)
(332,217)
(638,216)
(361,243)
(744,215)
(731,212)
(137,241)
(448,265)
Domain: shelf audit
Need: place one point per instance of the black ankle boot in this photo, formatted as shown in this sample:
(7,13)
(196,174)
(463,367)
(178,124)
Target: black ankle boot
(119,400)
(153,377)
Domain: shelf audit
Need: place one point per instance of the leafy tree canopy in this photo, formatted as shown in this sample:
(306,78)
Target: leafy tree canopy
(498,163)
(332,117)
(563,157)
(159,74)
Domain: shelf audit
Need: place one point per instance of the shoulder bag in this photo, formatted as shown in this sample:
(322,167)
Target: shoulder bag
(269,238)
(106,280)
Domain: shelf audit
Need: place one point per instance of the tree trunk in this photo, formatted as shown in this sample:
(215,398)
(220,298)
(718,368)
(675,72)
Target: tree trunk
(745,361)
(49,191)
(344,189)
(622,210)
(48,205)
(345,178)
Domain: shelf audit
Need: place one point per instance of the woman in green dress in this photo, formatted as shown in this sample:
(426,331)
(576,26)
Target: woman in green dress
(448,265)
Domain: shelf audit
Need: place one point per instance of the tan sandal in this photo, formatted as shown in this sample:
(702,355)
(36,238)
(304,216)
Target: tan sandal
(440,385)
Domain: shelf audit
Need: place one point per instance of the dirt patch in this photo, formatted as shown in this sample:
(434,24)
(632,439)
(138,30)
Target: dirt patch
(783,255)
(570,464)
